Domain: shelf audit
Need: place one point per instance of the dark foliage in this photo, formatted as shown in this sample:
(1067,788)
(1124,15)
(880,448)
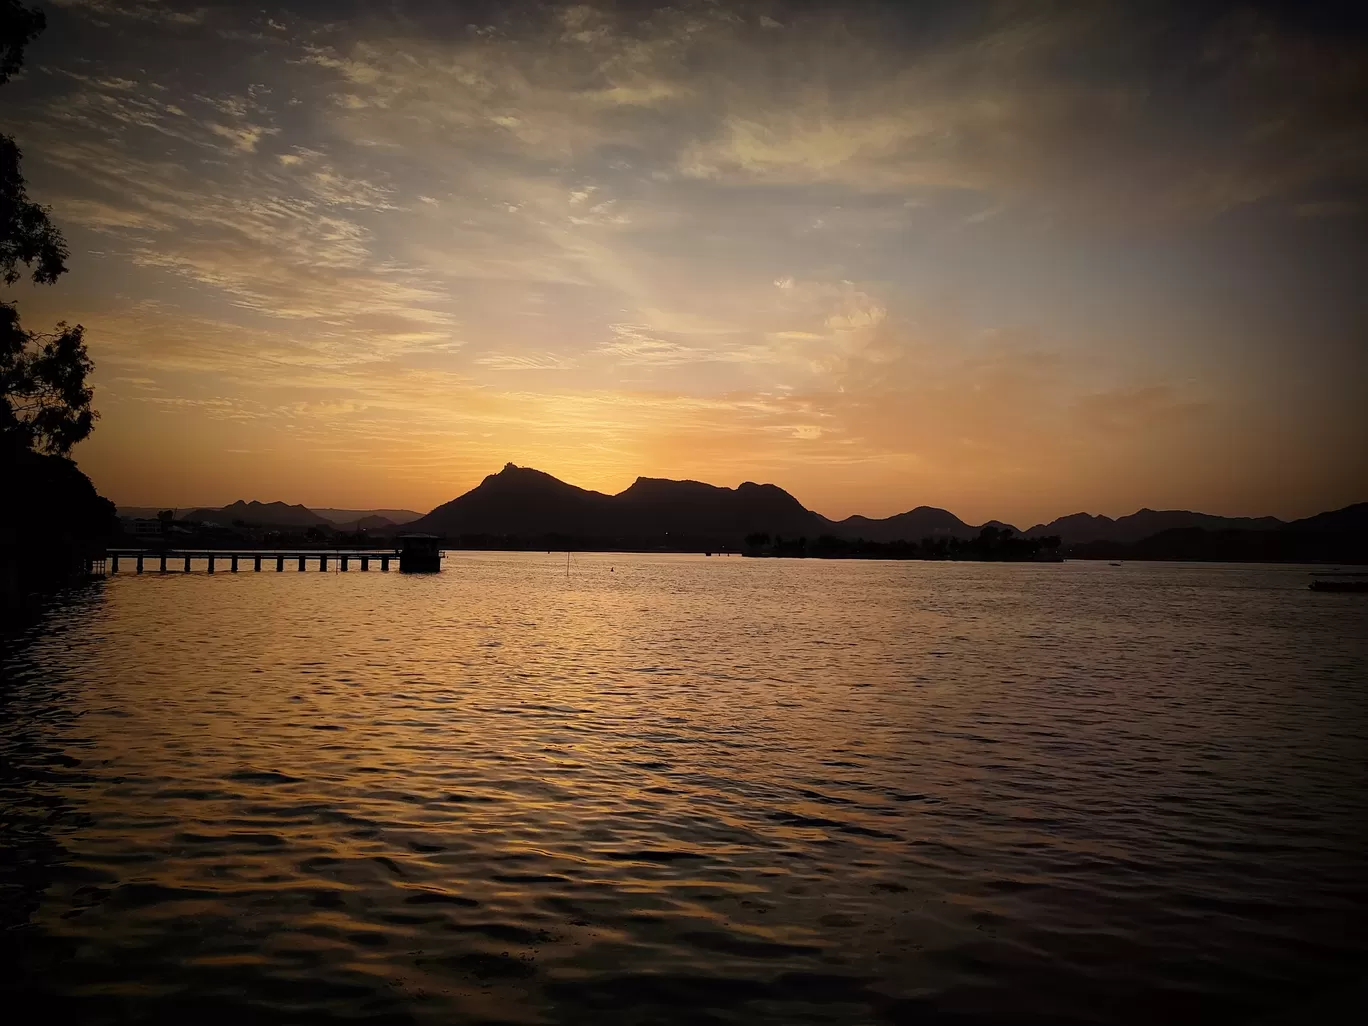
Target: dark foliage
(991,544)
(27,235)
(19,26)
(51,518)
(51,521)
(46,401)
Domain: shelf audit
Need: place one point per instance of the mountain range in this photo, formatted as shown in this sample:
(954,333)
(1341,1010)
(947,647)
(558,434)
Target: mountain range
(525,503)
(529,506)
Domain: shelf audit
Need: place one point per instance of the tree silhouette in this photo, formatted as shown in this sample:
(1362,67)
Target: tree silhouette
(44,398)
(18,26)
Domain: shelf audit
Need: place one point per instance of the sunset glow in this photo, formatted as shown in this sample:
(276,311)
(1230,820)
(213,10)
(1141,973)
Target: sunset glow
(1015,263)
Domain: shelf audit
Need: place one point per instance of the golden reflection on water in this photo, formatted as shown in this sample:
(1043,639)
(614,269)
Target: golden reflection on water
(677,788)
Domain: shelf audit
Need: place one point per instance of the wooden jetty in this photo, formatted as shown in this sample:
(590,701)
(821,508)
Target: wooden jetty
(415,554)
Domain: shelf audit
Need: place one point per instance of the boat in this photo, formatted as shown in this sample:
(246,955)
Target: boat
(1322,584)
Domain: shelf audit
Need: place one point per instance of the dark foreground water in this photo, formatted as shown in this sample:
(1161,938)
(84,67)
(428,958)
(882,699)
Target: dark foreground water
(677,789)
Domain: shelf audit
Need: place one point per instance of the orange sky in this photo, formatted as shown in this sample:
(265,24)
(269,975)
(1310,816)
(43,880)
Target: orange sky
(1015,264)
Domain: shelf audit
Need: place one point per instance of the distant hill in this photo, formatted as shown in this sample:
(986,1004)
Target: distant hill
(1083,528)
(375,523)
(656,506)
(259,514)
(369,519)
(1350,518)
(523,502)
(914,525)
(349,517)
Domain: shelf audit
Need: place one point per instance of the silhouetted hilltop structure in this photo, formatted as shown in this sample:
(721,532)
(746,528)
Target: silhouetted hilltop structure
(259,514)
(1082,528)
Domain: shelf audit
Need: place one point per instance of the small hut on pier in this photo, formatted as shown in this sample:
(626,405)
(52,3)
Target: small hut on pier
(419,553)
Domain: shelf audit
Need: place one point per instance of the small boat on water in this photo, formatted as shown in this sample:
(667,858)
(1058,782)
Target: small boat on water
(1342,581)
(1333,585)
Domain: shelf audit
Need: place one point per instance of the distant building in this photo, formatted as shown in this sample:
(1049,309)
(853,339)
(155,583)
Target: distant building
(142,527)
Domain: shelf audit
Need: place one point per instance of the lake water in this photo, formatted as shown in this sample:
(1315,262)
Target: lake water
(659,789)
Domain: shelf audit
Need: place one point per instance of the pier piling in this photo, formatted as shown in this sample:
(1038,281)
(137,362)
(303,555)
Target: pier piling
(140,559)
(187,564)
(256,565)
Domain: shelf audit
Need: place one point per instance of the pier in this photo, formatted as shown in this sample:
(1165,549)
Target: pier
(417,553)
(180,560)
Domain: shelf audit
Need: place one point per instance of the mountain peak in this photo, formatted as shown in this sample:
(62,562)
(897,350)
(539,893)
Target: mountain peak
(514,474)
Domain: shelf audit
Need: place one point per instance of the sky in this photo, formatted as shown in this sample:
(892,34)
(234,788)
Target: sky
(1014,259)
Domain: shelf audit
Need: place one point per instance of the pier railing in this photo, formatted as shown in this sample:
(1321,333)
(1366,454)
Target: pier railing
(179,560)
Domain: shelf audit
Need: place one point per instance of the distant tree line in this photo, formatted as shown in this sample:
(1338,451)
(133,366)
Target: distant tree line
(991,544)
(1189,544)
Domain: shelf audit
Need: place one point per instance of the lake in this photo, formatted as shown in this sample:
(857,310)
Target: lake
(660,789)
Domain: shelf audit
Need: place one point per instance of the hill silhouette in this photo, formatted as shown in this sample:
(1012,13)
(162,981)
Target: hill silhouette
(915,524)
(519,502)
(520,506)
(349,517)
(525,503)
(1350,518)
(1083,528)
(346,519)
(259,514)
